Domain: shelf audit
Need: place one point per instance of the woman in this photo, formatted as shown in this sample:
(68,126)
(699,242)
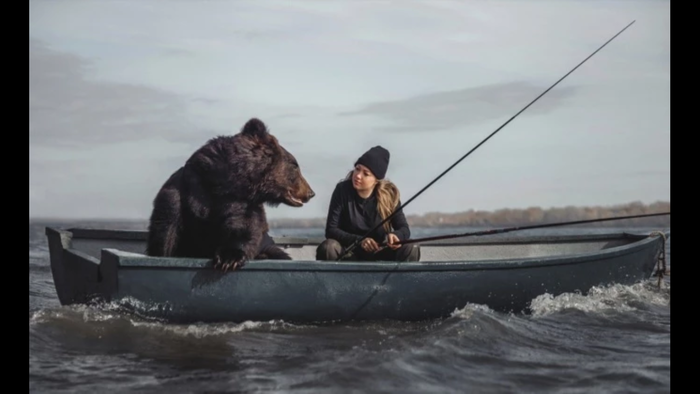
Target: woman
(359,203)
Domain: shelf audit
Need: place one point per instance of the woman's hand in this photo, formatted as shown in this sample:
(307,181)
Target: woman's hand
(393,241)
(369,245)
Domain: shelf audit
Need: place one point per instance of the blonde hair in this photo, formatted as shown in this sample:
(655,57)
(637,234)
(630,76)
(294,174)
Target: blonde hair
(388,196)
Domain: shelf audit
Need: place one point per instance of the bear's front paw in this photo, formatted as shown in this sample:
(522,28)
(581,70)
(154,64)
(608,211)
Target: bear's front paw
(229,258)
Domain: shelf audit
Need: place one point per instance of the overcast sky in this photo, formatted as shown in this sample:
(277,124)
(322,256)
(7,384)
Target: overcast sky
(122,92)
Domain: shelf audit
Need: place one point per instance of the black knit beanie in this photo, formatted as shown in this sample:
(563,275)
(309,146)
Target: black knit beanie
(376,159)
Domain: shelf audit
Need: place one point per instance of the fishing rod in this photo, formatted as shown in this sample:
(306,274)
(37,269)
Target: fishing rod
(515,228)
(354,244)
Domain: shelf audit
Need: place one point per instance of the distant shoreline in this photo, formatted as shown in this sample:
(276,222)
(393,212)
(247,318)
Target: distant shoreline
(471,218)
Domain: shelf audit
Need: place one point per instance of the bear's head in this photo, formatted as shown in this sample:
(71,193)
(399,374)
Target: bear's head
(273,173)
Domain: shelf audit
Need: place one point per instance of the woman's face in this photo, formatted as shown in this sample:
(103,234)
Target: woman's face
(362,178)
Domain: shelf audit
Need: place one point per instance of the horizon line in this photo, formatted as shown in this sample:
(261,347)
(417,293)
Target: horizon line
(145,218)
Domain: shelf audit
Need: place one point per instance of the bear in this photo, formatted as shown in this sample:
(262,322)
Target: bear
(213,206)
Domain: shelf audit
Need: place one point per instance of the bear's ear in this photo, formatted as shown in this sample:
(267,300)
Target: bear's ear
(255,128)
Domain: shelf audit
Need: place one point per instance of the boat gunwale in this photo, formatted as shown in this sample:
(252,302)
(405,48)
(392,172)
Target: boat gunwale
(141,235)
(138,261)
(132,261)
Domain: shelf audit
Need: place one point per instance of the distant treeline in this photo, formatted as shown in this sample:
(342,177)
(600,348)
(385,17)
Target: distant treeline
(519,217)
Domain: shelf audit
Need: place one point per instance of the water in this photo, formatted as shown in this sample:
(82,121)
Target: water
(615,340)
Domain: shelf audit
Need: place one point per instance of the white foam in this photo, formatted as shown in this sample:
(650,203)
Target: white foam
(614,297)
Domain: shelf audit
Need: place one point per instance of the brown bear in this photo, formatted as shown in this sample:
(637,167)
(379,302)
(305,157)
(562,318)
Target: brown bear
(213,206)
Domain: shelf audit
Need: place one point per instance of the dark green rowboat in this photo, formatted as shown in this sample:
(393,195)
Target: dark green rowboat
(506,274)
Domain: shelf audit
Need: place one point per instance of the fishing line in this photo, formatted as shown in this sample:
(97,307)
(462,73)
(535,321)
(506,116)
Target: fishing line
(515,228)
(354,244)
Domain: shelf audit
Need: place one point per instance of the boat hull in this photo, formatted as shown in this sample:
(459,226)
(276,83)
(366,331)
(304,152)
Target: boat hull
(190,290)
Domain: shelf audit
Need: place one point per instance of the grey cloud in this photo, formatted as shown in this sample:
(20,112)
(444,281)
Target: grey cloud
(458,108)
(286,116)
(176,52)
(68,109)
(204,100)
(615,176)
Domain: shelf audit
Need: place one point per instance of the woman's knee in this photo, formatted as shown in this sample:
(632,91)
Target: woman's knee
(410,253)
(328,250)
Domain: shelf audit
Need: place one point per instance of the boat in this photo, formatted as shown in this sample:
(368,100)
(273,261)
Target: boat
(98,266)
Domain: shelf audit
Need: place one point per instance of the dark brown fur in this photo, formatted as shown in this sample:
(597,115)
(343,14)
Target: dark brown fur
(213,206)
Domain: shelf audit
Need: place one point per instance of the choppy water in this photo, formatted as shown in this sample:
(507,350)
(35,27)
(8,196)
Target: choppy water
(615,340)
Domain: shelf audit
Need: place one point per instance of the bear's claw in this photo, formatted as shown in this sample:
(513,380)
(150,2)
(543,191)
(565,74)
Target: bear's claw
(229,259)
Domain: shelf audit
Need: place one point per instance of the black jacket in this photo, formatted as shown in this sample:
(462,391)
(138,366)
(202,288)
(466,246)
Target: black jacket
(350,217)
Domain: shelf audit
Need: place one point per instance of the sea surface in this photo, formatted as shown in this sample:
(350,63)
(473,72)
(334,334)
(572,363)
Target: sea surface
(615,340)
